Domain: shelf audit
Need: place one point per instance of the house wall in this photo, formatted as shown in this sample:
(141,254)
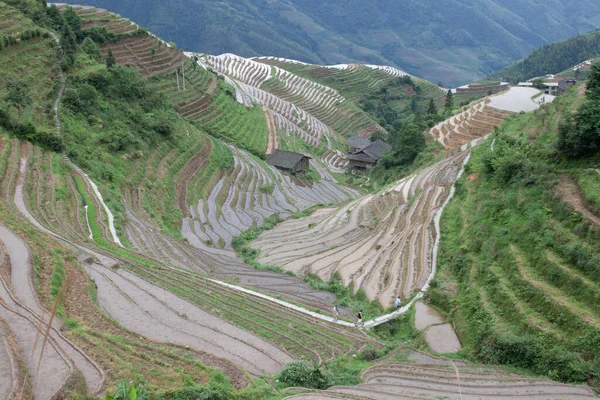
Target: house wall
(361,164)
(302,165)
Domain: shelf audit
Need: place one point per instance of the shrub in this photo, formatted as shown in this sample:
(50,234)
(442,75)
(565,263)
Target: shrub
(299,373)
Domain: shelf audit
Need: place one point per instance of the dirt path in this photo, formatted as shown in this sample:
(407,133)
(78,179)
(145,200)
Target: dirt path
(273,140)
(569,193)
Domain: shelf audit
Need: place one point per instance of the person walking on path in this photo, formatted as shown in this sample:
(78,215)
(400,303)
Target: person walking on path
(336,313)
(359,322)
(397,303)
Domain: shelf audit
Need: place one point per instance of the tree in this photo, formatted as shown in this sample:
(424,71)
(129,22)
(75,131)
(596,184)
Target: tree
(408,142)
(18,96)
(110,59)
(414,106)
(68,43)
(90,48)
(74,22)
(579,134)
(431,110)
(449,104)
(55,20)
(593,84)
(538,84)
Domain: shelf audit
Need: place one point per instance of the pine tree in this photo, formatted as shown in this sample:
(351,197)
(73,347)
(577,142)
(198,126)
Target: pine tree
(74,22)
(68,43)
(431,110)
(449,100)
(110,59)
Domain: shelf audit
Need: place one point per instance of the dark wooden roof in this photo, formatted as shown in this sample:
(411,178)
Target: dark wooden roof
(358,142)
(371,153)
(376,149)
(285,159)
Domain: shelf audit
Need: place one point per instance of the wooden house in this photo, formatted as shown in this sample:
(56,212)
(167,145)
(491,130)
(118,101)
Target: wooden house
(367,157)
(357,143)
(289,161)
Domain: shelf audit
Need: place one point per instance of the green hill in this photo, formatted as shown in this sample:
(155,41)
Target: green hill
(552,58)
(519,255)
(456,41)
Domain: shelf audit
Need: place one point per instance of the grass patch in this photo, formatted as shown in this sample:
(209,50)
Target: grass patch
(589,184)
(345,295)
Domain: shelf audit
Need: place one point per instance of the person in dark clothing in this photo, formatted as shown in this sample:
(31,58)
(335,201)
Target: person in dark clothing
(359,322)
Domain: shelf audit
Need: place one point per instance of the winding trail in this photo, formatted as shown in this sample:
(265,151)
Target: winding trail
(57,124)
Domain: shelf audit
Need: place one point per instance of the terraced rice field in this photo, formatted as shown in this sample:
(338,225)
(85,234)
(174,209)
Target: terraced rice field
(250,192)
(24,315)
(381,242)
(92,16)
(353,80)
(426,377)
(191,309)
(12,22)
(476,121)
(149,55)
(30,61)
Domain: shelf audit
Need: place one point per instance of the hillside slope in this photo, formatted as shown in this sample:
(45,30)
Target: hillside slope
(519,268)
(552,58)
(453,41)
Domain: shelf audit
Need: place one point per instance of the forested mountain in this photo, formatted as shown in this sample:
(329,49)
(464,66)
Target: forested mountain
(453,41)
(553,58)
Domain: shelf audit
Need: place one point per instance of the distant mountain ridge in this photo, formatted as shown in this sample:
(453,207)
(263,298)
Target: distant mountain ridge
(453,41)
(552,58)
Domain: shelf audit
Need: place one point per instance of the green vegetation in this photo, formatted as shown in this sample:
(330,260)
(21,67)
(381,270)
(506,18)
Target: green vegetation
(519,268)
(249,254)
(346,297)
(454,42)
(579,134)
(589,184)
(300,374)
(552,58)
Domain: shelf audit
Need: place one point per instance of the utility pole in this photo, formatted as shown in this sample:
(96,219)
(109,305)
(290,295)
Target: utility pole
(177,75)
(183,73)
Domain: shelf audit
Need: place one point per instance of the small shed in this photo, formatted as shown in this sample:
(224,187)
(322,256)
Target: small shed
(368,156)
(357,143)
(289,161)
